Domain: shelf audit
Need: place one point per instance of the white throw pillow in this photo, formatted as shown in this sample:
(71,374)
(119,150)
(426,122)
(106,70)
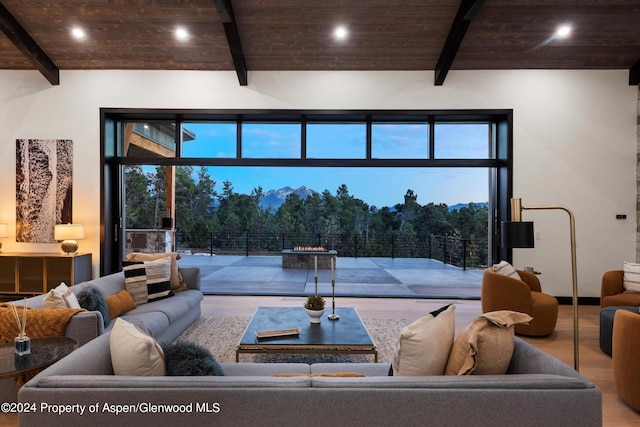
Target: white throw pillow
(631,277)
(506,269)
(60,297)
(423,347)
(133,352)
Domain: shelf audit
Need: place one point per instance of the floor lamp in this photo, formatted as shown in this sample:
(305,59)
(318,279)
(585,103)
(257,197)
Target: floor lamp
(519,234)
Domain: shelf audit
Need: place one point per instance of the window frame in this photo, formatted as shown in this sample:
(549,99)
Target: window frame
(500,161)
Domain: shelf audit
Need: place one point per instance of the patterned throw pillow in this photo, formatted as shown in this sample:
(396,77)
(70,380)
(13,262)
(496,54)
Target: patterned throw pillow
(631,277)
(148,280)
(177,283)
(506,269)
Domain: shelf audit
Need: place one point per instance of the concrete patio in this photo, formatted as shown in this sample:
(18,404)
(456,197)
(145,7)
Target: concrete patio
(373,277)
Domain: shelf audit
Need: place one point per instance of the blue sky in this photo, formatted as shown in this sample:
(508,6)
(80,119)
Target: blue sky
(376,186)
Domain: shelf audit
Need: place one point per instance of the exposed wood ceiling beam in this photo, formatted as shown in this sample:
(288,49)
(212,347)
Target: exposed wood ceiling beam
(29,48)
(466,12)
(634,74)
(233,38)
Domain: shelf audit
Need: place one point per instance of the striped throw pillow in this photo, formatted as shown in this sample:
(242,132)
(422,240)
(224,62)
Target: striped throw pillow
(631,277)
(148,281)
(506,269)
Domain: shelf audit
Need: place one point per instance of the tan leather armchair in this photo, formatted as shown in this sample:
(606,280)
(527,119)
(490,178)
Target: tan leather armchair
(612,291)
(500,292)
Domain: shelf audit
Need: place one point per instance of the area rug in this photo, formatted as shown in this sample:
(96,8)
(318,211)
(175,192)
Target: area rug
(220,335)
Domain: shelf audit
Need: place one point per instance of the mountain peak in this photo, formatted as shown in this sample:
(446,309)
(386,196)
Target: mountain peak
(275,198)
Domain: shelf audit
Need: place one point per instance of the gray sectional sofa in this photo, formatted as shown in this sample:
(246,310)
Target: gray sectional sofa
(164,319)
(537,390)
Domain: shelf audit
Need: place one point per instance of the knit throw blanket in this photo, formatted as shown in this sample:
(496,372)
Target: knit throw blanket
(41,322)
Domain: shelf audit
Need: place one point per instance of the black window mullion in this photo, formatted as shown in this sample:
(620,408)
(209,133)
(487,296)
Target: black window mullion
(178,136)
(369,138)
(432,137)
(303,137)
(238,139)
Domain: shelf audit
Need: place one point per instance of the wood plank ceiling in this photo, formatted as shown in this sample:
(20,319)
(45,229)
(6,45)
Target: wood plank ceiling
(255,35)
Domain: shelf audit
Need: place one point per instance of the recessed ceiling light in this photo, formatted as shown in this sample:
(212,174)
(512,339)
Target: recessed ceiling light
(181,33)
(78,33)
(563,31)
(341,33)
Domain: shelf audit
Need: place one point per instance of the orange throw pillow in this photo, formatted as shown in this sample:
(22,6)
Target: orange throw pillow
(119,303)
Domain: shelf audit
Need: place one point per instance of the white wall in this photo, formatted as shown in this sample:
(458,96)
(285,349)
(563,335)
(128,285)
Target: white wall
(574,138)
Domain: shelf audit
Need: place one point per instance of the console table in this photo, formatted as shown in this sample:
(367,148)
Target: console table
(37,273)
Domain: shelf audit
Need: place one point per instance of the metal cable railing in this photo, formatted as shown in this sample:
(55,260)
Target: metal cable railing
(459,251)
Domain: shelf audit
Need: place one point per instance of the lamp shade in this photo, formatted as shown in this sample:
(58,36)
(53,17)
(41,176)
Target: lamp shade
(4,230)
(516,234)
(68,232)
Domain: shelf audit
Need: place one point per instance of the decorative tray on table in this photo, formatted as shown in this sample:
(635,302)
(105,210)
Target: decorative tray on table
(278,333)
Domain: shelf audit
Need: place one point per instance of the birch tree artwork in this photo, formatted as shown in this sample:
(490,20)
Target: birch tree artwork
(43,187)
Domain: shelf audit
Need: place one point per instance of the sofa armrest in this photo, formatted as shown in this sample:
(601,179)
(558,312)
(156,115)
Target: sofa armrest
(85,326)
(191,276)
(528,359)
(611,284)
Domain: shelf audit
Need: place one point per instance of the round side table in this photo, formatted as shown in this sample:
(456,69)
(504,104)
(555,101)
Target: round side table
(44,352)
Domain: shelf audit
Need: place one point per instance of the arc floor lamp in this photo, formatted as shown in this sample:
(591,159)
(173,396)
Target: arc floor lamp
(519,234)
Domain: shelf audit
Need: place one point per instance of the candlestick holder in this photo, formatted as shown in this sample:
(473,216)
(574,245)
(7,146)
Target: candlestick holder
(333,315)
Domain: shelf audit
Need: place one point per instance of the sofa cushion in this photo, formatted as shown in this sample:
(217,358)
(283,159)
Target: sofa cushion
(60,297)
(189,359)
(485,346)
(177,284)
(148,281)
(147,384)
(133,352)
(119,303)
(423,347)
(264,369)
(366,369)
(92,299)
(108,285)
(506,269)
(631,277)
(153,323)
(172,309)
(469,383)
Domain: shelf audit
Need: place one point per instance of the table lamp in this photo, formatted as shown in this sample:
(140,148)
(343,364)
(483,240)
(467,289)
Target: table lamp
(69,233)
(4,232)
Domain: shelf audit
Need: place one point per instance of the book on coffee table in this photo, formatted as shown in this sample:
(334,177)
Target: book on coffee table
(278,333)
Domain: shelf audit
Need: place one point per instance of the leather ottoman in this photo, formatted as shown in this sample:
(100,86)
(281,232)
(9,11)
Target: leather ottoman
(606,325)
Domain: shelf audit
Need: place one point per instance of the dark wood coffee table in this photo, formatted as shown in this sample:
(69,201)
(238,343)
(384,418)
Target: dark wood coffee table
(44,352)
(344,336)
